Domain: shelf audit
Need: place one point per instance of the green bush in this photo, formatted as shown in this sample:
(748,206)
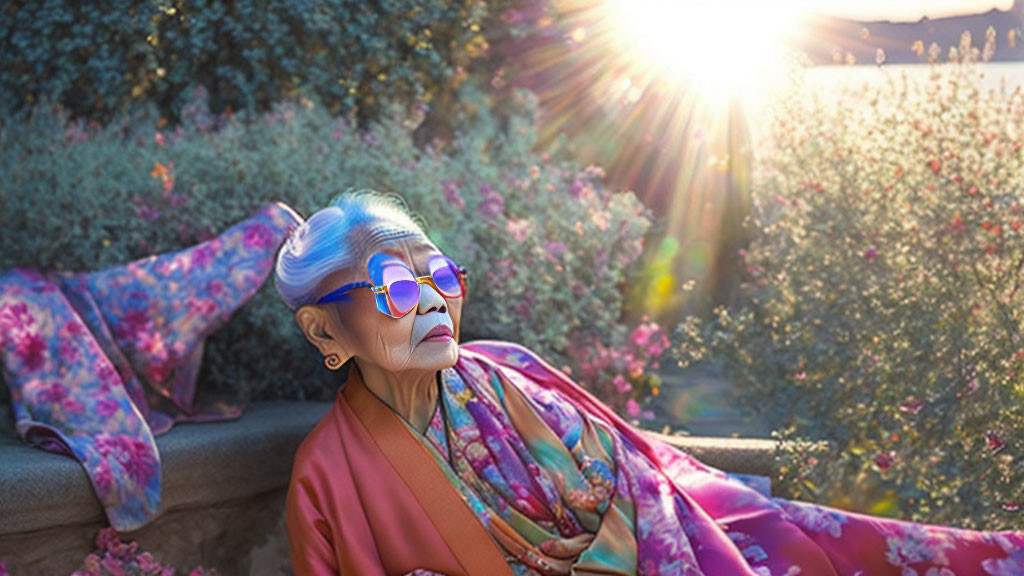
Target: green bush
(882,301)
(548,247)
(98,58)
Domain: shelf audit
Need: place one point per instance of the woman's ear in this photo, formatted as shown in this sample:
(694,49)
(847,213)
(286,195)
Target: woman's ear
(314,323)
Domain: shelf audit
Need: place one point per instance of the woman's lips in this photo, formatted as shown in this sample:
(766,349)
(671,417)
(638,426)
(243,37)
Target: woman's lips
(439,333)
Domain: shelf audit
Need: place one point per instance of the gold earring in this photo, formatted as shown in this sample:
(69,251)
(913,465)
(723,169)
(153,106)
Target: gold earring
(332,361)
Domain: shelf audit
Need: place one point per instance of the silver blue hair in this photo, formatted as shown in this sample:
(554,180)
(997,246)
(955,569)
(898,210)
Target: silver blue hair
(339,236)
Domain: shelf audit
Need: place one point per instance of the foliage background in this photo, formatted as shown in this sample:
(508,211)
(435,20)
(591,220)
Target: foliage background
(882,303)
(102,57)
(547,245)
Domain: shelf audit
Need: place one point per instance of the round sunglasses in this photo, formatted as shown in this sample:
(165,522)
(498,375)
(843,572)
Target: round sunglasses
(396,287)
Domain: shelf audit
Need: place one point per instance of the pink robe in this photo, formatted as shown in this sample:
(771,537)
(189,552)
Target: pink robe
(369,497)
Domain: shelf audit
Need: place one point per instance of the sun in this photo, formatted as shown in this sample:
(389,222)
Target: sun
(721,47)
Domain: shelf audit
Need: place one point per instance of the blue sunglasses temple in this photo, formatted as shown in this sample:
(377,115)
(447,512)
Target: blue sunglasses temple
(341,294)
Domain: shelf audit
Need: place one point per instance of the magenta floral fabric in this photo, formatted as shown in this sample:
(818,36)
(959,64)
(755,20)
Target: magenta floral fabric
(683,517)
(100,362)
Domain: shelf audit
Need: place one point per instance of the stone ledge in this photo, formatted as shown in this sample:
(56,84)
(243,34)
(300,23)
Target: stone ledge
(208,463)
(223,499)
(201,464)
(751,456)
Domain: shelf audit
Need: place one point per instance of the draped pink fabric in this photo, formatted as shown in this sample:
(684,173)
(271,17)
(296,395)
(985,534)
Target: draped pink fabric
(364,500)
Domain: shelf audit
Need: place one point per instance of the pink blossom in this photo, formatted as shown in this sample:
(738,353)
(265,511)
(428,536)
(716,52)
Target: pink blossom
(202,256)
(885,460)
(68,352)
(55,393)
(103,478)
(152,343)
(105,372)
(132,324)
(74,328)
(30,349)
(257,236)
(492,203)
(106,538)
(451,194)
(107,407)
(554,250)
(632,408)
(92,566)
(73,406)
(994,442)
(215,288)
(113,566)
(15,317)
(132,454)
(870,254)
(147,563)
(158,372)
(622,385)
(518,228)
(202,306)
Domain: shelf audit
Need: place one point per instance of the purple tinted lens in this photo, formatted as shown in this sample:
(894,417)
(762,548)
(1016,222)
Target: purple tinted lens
(404,294)
(446,277)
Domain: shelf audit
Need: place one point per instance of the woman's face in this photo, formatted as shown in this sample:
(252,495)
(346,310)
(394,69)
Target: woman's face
(425,339)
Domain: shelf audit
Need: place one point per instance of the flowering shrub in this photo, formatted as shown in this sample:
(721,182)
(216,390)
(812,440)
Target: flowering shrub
(548,247)
(882,304)
(114,557)
(620,374)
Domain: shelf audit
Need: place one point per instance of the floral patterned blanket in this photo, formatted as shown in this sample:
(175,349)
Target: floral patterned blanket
(100,362)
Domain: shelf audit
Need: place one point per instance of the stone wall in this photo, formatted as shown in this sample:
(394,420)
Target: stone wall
(223,494)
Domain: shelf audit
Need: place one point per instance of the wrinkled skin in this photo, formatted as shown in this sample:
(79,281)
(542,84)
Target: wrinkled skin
(394,363)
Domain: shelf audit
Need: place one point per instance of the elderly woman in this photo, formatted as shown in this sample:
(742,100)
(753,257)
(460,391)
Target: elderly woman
(483,460)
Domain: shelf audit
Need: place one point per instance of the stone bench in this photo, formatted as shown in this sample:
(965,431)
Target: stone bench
(224,486)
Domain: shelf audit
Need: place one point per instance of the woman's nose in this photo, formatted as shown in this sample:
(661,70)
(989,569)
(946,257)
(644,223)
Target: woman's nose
(430,300)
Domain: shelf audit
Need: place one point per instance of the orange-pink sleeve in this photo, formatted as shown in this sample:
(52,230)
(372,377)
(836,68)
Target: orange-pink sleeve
(308,532)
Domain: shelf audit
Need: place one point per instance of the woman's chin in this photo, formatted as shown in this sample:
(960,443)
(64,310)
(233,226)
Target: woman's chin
(437,353)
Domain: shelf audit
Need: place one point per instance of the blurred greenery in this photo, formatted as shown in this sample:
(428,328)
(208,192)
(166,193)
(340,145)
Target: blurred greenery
(103,57)
(881,304)
(548,246)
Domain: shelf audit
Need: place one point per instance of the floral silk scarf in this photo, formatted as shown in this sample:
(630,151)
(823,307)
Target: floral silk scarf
(98,363)
(540,461)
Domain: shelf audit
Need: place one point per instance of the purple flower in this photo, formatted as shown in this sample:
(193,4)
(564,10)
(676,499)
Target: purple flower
(215,288)
(67,352)
(451,194)
(134,455)
(102,477)
(106,407)
(870,254)
(132,324)
(518,229)
(555,250)
(15,317)
(73,406)
(30,349)
(492,203)
(113,566)
(203,256)
(257,236)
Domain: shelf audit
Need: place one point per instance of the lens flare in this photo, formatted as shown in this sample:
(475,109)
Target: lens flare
(724,47)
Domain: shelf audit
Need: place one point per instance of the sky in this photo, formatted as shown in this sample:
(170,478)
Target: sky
(904,10)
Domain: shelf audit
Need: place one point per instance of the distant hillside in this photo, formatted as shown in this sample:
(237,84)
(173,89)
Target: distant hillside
(822,38)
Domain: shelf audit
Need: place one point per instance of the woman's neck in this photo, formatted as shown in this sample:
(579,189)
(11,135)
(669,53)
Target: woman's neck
(412,395)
